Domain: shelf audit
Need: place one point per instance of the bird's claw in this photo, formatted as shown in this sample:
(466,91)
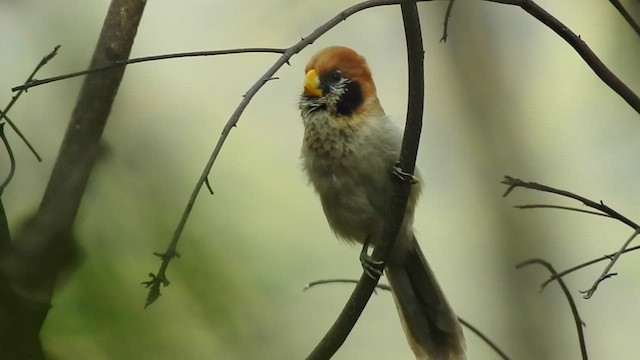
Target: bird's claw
(373,268)
(404,176)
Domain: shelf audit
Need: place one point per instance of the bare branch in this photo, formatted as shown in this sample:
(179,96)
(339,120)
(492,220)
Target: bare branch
(121,63)
(625,14)
(574,309)
(3,113)
(580,47)
(545,206)
(583,265)
(600,206)
(605,273)
(447,16)
(341,281)
(485,338)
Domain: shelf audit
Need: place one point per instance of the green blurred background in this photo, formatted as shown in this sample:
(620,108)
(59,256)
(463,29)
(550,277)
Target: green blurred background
(505,95)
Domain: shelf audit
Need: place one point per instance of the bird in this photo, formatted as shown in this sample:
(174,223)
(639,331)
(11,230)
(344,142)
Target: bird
(349,149)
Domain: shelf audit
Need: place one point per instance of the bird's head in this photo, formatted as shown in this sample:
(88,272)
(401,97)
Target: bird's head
(338,81)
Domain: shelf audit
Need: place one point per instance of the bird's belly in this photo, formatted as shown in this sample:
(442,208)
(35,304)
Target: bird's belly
(343,194)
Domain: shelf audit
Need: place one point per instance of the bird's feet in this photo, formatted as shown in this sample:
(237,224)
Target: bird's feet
(371,267)
(397,171)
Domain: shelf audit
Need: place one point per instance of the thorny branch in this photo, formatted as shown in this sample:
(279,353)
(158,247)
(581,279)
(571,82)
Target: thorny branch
(574,309)
(603,210)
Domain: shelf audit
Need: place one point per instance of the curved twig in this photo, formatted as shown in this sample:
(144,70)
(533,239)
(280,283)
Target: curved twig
(385,287)
(574,309)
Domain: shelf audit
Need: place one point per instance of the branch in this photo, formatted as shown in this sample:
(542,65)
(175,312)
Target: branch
(603,210)
(583,265)
(546,206)
(354,307)
(3,113)
(515,183)
(122,63)
(580,47)
(45,247)
(447,16)
(605,273)
(625,14)
(574,309)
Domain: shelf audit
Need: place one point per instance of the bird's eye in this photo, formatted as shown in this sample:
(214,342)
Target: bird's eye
(335,76)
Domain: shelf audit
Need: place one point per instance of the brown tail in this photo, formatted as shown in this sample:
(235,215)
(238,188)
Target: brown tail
(429,322)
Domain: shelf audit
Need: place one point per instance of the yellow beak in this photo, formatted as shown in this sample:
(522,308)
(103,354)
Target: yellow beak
(312,84)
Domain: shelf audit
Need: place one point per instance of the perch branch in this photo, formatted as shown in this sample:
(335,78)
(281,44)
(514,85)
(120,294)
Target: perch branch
(354,307)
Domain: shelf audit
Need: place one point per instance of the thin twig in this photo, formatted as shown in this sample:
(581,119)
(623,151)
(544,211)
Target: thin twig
(605,273)
(574,309)
(583,265)
(485,338)
(600,206)
(341,281)
(385,287)
(445,33)
(3,113)
(545,206)
(12,159)
(115,64)
(625,14)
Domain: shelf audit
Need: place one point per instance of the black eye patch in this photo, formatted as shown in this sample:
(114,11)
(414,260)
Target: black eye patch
(350,99)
